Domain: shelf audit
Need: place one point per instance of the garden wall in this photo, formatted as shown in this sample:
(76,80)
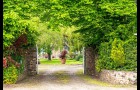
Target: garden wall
(22,76)
(30,63)
(118,77)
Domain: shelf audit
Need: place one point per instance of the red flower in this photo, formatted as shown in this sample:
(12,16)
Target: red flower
(4,62)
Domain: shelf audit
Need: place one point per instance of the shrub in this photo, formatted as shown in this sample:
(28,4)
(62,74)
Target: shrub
(127,54)
(117,53)
(130,48)
(10,75)
(4,63)
(71,55)
(104,61)
(78,57)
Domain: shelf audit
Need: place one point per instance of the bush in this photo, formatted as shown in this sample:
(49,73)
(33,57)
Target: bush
(71,55)
(117,53)
(127,60)
(130,48)
(104,56)
(78,57)
(10,75)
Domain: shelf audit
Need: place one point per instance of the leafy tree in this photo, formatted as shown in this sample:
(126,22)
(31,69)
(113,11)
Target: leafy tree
(73,40)
(19,18)
(50,40)
(97,21)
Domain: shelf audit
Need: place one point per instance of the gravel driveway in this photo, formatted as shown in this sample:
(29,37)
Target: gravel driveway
(59,77)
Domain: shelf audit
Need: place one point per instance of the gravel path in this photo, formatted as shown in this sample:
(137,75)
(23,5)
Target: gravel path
(59,77)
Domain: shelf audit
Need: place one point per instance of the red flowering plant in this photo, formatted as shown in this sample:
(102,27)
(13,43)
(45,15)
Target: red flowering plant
(13,62)
(4,63)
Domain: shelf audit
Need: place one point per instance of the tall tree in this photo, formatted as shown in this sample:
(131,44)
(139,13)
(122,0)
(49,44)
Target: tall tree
(49,40)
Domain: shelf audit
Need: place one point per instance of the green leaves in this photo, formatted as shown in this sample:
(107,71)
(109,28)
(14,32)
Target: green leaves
(117,53)
(19,18)
(120,7)
(10,75)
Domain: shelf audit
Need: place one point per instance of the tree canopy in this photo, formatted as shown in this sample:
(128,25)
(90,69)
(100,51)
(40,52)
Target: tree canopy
(97,20)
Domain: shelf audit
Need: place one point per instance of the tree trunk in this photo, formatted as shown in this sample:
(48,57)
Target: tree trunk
(90,54)
(49,56)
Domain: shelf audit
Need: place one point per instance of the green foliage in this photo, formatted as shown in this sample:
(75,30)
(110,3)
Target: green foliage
(130,52)
(130,46)
(49,40)
(19,19)
(72,40)
(21,61)
(12,28)
(78,57)
(71,55)
(99,21)
(117,53)
(96,19)
(10,75)
(98,65)
(104,61)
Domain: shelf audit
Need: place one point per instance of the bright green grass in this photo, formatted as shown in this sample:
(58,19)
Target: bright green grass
(58,61)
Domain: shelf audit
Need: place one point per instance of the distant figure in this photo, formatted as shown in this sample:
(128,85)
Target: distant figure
(63,56)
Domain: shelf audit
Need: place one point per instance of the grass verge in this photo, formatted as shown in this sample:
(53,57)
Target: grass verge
(57,61)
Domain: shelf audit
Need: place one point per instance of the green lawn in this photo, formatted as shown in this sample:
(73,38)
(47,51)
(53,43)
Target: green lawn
(57,61)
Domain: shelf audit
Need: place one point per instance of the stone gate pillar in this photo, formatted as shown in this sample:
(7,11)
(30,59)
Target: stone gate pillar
(90,61)
(31,58)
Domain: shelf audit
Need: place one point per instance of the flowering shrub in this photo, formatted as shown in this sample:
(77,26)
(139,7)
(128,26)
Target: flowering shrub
(4,63)
(13,62)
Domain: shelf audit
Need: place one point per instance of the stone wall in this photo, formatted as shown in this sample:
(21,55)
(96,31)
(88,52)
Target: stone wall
(31,61)
(118,77)
(24,74)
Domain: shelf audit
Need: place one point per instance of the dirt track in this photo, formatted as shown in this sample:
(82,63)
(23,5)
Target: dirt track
(59,77)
